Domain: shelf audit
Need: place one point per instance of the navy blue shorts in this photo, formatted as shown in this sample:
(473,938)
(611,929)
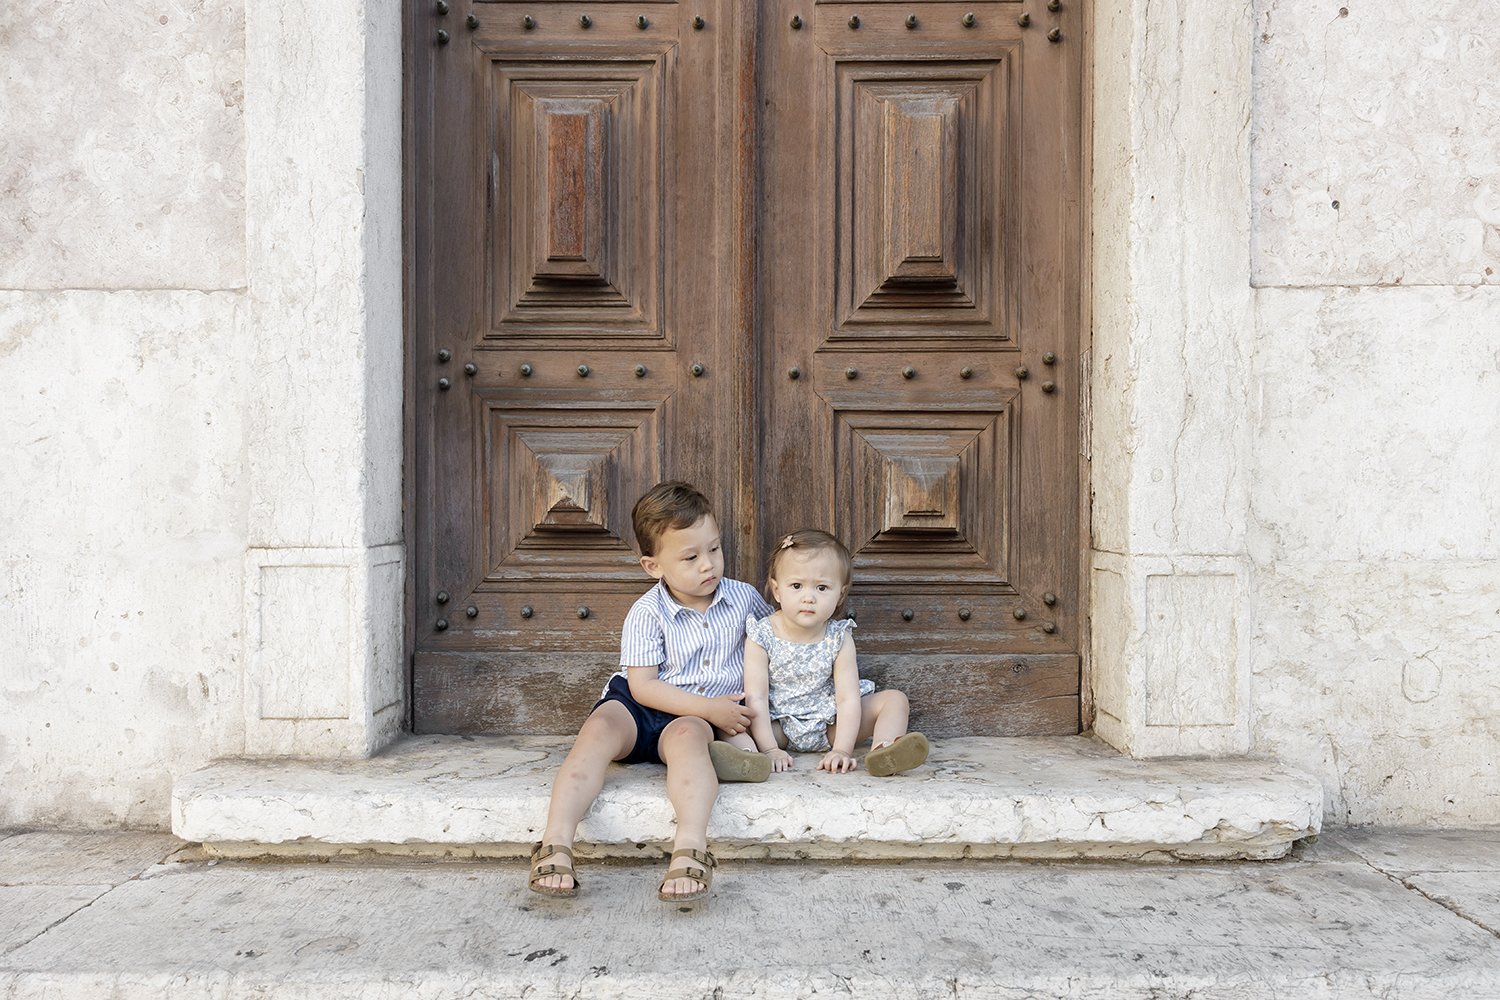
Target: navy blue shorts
(648,722)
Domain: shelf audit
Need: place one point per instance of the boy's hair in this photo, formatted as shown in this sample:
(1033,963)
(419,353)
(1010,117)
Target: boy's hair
(672,505)
(812,540)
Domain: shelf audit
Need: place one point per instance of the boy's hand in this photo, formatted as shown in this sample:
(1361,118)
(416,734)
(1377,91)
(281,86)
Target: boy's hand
(728,714)
(780,759)
(836,761)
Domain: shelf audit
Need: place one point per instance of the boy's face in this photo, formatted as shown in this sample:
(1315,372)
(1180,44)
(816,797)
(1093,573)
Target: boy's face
(690,561)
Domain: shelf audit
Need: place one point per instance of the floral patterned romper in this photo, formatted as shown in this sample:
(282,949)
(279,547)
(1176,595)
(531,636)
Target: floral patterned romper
(802,681)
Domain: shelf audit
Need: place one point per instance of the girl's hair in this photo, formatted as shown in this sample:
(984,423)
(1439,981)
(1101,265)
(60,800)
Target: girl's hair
(811,540)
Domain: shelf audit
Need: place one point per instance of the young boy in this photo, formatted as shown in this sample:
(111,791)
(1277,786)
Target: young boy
(681,679)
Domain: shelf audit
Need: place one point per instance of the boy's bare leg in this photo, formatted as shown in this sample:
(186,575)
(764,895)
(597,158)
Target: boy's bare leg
(691,785)
(607,734)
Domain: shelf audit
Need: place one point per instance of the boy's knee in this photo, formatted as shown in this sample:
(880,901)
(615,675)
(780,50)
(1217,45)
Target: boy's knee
(687,730)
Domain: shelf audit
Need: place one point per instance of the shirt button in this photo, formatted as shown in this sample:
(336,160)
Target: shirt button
(705,663)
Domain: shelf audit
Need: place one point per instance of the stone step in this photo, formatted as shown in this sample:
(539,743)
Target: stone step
(1057,797)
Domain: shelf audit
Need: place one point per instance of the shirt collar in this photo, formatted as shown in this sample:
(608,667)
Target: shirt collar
(674,608)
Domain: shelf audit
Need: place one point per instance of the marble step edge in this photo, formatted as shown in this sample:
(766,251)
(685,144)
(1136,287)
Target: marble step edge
(1043,799)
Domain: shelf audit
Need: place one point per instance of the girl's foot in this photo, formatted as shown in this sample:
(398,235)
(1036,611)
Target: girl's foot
(552,870)
(901,754)
(689,875)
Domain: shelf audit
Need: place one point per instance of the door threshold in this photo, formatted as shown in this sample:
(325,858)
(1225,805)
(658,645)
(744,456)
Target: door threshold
(979,797)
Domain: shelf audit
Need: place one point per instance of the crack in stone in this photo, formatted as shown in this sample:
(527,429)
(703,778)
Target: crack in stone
(161,859)
(62,919)
(1453,908)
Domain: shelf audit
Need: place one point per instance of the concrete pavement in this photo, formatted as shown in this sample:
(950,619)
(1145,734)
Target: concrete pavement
(1358,913)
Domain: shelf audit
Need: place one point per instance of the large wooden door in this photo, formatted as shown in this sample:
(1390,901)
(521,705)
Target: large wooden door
(918,288)
(795,261)
(581,333)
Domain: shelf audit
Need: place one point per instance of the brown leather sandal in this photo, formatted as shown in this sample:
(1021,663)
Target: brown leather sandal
(905,753)
(539,871)
(702,872)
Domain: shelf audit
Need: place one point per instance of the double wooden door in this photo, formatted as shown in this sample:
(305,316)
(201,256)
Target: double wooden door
(820,259)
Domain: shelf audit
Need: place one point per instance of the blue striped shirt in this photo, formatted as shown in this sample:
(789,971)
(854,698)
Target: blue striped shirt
(700,652)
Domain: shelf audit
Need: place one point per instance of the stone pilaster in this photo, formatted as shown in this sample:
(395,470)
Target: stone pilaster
(324,579)
(1173,321)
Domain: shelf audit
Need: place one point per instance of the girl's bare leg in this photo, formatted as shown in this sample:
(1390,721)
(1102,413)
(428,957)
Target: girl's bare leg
(608,734)
(691,785)
(743,740)
(882,717)
(888,712)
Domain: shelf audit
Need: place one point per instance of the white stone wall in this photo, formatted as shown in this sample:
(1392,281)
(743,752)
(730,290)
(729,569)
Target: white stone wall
(1375,504)
(200,384)
(124,377)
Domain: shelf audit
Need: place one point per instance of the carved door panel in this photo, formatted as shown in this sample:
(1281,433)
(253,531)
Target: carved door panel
(581,313)
(918,296)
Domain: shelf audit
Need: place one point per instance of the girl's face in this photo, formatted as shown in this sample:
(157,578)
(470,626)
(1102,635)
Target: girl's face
(808,586)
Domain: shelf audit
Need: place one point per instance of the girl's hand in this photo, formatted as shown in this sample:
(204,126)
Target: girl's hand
(780,759)
(836,762)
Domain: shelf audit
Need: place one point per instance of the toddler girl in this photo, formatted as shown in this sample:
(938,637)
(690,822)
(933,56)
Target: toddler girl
(800,675)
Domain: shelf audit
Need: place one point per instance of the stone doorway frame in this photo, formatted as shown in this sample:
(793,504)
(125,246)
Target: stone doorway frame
(1166,433)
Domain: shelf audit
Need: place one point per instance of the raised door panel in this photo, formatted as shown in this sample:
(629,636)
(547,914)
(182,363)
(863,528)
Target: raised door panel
(577,339)
(918,288)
